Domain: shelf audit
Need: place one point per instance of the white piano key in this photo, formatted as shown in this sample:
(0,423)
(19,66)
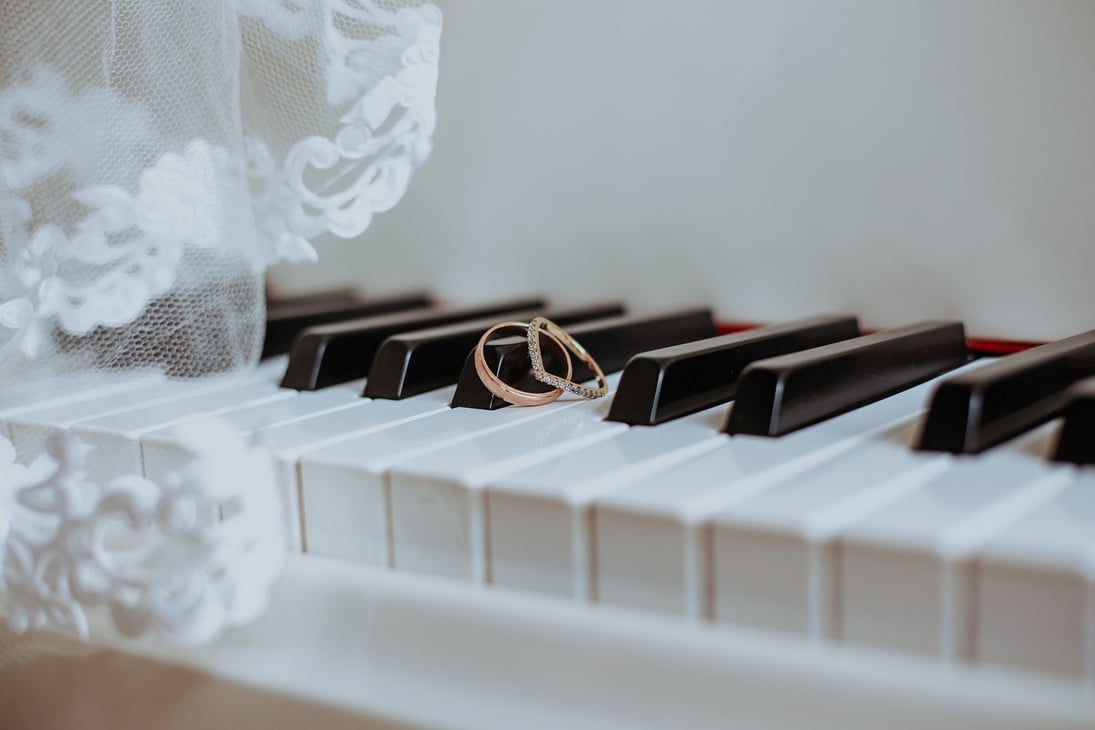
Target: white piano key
(904,578)
(162,451)
(29,424)
(290,441)
(345,489)
(70,389)
(772,553)
(437,507)
(115,438)
(272,368)
(1033,587)
(651,546)
(773,558)
(30,429)
(539,517)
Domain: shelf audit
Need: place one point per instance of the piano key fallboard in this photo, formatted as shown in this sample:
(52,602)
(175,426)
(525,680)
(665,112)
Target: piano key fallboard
(837,520)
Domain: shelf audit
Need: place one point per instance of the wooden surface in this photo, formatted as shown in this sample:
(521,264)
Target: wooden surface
(48,683)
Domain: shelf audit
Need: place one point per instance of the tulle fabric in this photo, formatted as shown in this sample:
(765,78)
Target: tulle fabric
(155,158)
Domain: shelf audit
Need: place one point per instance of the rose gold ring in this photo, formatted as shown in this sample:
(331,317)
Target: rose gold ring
(504,390)
(543,325)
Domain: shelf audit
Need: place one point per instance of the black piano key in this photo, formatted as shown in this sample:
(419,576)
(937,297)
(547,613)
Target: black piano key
(285,320)
(343,294)
(665,384)
(786,393)
(1076,442)
(415,362)
(611,342)
(334,353)
(976,410)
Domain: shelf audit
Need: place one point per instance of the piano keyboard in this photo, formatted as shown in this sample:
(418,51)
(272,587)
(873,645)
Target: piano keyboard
(838,533)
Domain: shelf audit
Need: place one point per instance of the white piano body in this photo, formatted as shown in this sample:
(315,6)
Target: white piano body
(771,159)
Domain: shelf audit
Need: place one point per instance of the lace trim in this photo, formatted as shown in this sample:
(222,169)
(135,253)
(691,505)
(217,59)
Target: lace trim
(384,137)
(121,256)
(157,557)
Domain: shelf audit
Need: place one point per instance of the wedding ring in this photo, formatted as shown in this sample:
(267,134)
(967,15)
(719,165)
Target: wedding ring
(542,325)
(504,390)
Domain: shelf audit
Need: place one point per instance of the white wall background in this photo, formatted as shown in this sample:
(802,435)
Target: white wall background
(899,160)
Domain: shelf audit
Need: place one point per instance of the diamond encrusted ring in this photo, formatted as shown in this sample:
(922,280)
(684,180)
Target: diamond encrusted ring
(545,326)
(504,390)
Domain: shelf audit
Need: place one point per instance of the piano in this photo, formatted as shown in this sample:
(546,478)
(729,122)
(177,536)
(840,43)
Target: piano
(516,556)
(898,534)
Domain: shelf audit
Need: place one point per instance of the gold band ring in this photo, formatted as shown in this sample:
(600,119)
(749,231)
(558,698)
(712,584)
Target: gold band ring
(504,390)
(545,326)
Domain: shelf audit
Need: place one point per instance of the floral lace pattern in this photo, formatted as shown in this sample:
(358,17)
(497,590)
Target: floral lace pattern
(156,556)
(122,255)
(48,129)
(384,136)
(25,280)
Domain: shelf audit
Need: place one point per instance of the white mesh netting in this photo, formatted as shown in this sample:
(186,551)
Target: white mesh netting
(155,158)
